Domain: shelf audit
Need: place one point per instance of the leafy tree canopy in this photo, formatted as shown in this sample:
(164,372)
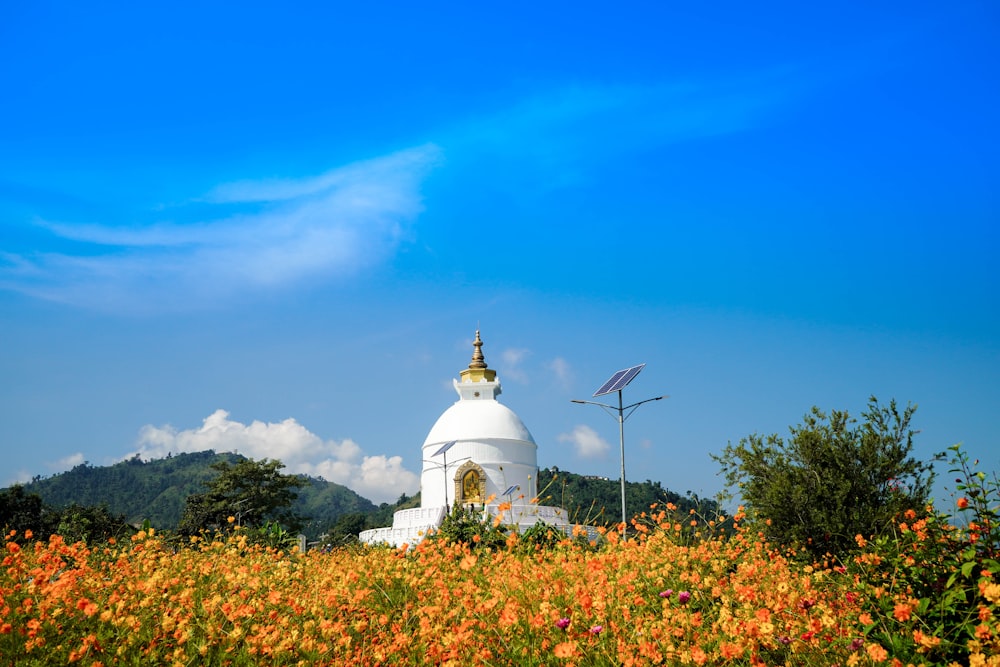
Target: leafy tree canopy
(22,511)
(254,493)
(832,479)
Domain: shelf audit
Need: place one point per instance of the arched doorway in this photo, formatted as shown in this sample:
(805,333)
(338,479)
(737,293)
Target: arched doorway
(470,484)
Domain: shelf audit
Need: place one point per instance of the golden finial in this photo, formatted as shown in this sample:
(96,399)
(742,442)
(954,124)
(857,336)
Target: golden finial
(478,360)
(477,370)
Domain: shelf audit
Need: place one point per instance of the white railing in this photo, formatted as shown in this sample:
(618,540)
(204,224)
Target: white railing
(409,526)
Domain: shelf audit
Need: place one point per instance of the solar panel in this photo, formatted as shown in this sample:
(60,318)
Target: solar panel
(619,380)
(445,447)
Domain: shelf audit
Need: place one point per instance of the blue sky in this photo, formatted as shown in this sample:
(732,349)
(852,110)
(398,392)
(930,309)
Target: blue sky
(276,230)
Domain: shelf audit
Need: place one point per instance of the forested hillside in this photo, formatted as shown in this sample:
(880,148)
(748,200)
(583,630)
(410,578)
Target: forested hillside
(157,489)
(598,500)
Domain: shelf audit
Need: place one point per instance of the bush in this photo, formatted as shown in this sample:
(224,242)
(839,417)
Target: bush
(928,589)
(832,479)
(465,526)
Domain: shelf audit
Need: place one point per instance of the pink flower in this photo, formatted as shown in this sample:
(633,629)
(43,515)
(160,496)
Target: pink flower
(562,623)
(596,630)
(683,597)
(667,593)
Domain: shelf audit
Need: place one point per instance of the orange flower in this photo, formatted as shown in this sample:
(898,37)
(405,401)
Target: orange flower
(508,616)
(902,611)
(962,503)
(925,641)
(877,653)
(565,650)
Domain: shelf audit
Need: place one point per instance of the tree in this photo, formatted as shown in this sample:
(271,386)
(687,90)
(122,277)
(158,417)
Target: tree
(253,493)
(91,524)
(832,479)
(22,511)
(345,529)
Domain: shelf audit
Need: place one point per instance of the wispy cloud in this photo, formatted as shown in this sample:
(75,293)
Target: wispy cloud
(586,442)
(379,478)
(513,358)
(63,464)
(312,228)
(67,462)
(562,372)
(562,129)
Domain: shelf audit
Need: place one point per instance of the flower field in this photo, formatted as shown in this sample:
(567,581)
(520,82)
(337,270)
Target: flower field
(665,596)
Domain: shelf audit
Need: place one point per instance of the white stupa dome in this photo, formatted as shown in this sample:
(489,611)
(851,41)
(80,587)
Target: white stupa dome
(486,419)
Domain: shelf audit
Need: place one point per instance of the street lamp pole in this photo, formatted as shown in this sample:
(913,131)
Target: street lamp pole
(622,412)
(443,451)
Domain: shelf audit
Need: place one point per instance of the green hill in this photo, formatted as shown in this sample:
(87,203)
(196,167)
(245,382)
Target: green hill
(157,489)
(598,500)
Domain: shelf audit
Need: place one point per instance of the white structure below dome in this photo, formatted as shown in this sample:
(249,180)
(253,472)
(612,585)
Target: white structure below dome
(480,455)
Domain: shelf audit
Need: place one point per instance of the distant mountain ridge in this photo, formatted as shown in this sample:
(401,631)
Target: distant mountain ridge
(157,490)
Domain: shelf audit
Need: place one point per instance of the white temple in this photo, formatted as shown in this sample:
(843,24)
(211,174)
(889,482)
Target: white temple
(478,454)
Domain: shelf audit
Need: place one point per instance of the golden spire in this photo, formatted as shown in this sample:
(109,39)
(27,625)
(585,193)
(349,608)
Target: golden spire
(477,370)
(478,360)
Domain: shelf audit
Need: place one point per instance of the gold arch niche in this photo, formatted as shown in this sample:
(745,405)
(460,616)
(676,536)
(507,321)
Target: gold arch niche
(470,483)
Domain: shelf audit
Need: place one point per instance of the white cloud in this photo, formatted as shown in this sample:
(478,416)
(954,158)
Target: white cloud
(366,176)
(378,478)
(512,359)
(587,443)
(561,370)
(55,467)
(67,462)
(313,228)
(20,477)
